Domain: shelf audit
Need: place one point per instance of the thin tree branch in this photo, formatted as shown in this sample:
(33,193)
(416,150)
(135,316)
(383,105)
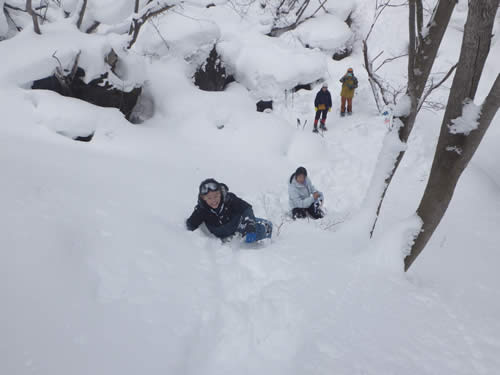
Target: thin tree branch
(376,57)
(435,86)
(93,28)
(138,22)
(389,60)
(7,13)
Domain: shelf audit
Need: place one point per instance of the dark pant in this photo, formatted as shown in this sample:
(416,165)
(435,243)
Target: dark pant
(322,113)
(313,210)
(343,102)
(238,223)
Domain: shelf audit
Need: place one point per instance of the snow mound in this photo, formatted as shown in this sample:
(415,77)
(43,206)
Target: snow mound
(327,32)
(73,117)
(177,34)
(24,61)
(263,64)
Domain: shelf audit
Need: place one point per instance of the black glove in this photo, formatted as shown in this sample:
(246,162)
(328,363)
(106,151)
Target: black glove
(250,227)
(247,225)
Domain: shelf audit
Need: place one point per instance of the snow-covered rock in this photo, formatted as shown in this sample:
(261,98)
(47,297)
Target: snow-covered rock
(327,32)
(263,64)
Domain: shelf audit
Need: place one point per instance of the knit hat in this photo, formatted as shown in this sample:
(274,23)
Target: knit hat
(325,85)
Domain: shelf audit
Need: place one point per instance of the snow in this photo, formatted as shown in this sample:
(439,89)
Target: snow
(99,274)
(262,64)
(327,32)
(469,120)
(178,34)
(403,106)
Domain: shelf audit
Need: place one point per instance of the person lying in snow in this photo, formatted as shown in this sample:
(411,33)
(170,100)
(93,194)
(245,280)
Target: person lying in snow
(225,214)
(303,196)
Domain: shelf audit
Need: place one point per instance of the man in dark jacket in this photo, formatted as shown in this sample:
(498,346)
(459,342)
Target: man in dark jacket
(322,105)
(225,214)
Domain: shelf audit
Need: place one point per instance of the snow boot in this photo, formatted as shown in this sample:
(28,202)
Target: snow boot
(315,129)
(349,113)
(323,126)
(342,114)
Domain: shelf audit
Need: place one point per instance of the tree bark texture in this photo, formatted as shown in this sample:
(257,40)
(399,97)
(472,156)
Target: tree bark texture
(420,62)
(454,151)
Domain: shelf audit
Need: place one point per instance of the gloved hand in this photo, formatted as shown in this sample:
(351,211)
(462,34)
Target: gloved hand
(251,237)
(247,226)
(316,109)
(330,109)
(350,87)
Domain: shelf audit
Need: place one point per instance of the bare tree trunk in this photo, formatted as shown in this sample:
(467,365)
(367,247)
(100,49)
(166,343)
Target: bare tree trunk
(80,12)
(421,58)
(33,15)
(454,151)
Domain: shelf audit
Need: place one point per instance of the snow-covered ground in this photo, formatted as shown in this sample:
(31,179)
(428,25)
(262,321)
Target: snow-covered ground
(100,276)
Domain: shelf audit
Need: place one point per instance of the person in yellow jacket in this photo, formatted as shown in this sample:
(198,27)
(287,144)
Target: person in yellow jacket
(349,84)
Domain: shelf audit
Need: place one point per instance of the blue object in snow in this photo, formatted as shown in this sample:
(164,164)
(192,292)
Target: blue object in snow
(251,237)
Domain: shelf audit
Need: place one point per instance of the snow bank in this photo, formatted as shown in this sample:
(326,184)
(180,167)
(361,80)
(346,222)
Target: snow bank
(342,9)
(327,32)
(24,61)
(179,35)
(72,117)
(263,64)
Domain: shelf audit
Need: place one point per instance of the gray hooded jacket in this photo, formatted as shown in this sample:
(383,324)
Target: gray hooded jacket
(300,195)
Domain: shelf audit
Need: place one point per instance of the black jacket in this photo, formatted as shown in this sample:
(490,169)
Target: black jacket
(323,97)
(223,220)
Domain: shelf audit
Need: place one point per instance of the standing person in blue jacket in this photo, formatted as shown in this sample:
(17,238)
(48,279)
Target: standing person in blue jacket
(304,198)
(225,214)
(322,105)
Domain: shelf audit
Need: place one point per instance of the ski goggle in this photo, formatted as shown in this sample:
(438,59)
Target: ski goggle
(209,186)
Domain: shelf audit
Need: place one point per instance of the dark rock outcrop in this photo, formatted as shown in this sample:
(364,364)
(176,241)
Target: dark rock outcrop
(212,75)
(98,91)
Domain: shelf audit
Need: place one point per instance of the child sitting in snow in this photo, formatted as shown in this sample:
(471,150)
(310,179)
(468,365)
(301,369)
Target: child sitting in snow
(303,196)
(225,214)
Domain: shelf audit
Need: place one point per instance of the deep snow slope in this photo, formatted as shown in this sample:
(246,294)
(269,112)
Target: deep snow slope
(100,276)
